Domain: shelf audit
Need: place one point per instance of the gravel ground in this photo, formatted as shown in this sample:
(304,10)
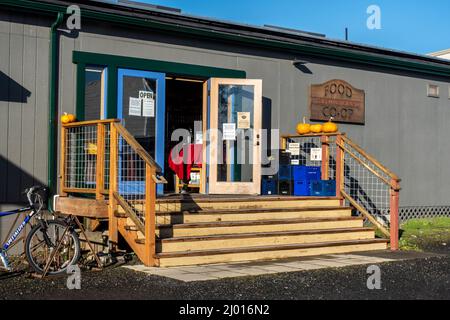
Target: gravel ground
(426,278)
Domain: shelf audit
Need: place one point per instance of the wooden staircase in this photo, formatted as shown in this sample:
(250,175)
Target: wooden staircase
(193,230)
(209,230)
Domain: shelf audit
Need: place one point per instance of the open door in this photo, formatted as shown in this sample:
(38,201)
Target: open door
(233,120)
(141,108)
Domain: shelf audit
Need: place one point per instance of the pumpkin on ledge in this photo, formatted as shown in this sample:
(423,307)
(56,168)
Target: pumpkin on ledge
(316,128)
(330,126)
(303,128)
(67,118)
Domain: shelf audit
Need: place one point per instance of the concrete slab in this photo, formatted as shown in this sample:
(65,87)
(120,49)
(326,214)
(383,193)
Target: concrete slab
(258,268)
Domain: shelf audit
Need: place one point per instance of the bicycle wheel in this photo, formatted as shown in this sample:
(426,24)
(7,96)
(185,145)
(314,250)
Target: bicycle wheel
(39,251)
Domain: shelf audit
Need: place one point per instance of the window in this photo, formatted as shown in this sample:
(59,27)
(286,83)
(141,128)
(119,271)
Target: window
(94,93)
(433,91)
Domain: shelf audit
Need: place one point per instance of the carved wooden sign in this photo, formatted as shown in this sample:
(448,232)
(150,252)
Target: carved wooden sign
(337,99)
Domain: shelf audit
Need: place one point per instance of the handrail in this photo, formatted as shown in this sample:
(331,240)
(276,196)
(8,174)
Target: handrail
(371,158)
(88,123)
(361,180)
(137,147)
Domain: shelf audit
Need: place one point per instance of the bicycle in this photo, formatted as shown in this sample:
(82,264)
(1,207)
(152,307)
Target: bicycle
(51,246)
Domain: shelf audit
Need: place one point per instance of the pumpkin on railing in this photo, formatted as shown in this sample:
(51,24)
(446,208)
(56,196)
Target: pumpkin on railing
(68,118)
(304,128)
(330,126)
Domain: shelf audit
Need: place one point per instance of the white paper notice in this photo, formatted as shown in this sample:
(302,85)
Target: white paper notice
(294,149)
(199,137)
(243,120)
(316,154)
(148,108)
(135,107)
(229,131)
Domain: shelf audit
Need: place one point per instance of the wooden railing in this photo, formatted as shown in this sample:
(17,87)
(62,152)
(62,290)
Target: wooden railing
(103,158)
(134,176)
(84,160)
(361,181)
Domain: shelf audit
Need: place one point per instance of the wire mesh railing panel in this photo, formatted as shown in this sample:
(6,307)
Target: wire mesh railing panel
(331,157)
(301,149)
(131,178)
(81,157)
(366,184)
(107,156)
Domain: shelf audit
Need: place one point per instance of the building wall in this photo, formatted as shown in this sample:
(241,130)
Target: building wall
(24,61)
(24,57)
(404,128)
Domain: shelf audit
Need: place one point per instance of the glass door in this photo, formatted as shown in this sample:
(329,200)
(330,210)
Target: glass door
(234,124)
(141,108)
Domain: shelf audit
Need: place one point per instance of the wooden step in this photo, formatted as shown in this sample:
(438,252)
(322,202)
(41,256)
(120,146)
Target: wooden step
(243,202)
(262,239)
(233,227)
(252,214)
(268,252)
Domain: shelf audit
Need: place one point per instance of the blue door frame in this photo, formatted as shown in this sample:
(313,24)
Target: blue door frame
(138,187)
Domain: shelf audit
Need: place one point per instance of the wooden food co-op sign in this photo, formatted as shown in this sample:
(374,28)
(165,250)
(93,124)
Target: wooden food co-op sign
(337,99)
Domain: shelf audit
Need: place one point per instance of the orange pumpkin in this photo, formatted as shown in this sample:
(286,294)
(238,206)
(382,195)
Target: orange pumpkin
(303,128)
(72,117)
(330,127)
(316,128)
(67,118)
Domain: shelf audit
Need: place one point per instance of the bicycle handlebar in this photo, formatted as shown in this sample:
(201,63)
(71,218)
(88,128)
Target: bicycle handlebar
(34,191)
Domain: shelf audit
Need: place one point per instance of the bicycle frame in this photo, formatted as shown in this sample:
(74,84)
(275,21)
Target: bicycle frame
(19,230)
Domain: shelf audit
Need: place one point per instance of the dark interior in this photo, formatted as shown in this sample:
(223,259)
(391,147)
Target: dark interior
(184,106)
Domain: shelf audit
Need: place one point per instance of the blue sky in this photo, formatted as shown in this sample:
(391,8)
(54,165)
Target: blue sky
(408,25)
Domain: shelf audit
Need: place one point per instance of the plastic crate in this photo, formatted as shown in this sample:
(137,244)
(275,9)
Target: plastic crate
(301,188)
(322,188)
(306,173)
(285,172)
(269,185)
(285,187)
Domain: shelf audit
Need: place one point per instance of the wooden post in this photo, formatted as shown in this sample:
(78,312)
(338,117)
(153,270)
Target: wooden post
(100,164)
(325,155)
(394,206)
(62,167)
(339,167)
(150,216)
(112,207)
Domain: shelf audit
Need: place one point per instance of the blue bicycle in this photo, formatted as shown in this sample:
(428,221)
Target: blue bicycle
(51,246)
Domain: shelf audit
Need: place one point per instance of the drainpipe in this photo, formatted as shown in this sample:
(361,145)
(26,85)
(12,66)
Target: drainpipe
(52,118)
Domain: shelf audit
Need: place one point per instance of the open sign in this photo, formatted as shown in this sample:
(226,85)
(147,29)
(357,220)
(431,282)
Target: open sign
(145,95)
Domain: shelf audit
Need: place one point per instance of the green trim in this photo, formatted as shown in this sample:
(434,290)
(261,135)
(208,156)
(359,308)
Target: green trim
(111,107)
(113,62)
(52,135)
(81,87)
(317,50)
(179,69)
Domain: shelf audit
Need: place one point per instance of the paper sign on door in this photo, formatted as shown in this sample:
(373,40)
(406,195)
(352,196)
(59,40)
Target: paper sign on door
(135,107)
(229,131)
(148,103)
(243,120)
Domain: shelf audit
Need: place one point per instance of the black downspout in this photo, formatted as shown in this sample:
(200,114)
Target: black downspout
(53,97)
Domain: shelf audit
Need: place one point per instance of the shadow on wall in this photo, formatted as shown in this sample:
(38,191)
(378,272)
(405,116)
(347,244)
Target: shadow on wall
(13,181)
(11,91)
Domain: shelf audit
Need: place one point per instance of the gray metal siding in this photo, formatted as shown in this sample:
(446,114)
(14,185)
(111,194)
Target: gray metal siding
(405,129)
(24,60)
